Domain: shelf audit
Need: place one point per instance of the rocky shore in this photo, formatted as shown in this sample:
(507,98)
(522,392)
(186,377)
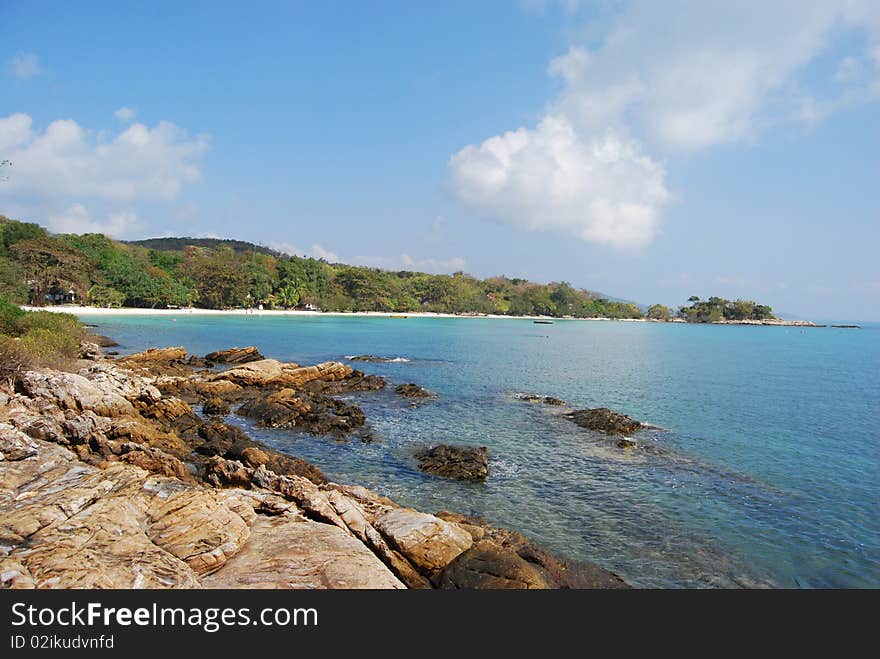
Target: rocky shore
(123,474)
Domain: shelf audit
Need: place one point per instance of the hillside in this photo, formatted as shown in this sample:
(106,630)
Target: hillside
(168,244)
(39,268)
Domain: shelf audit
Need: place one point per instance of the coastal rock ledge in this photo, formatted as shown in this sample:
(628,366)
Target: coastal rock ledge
(107,480)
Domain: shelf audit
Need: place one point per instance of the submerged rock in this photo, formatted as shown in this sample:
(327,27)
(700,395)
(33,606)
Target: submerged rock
(412,390)
(462,462)
(494,567)
(376,359)
(603,420)
(235,355)
(535,398)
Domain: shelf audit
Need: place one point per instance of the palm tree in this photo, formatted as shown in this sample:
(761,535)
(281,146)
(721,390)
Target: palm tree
(289,296)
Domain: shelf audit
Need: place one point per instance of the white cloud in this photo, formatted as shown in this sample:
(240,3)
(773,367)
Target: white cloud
(407,262)
(319,252)
(76,219)
(24,66)
(599,188)
(668,78)
(316,251)
(125,114)
(140,163)
(435,266)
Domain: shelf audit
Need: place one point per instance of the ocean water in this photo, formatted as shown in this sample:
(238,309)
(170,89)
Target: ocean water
(763,468)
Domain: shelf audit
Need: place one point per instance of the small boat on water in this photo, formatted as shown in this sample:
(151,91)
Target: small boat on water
(543,322)
(397,316)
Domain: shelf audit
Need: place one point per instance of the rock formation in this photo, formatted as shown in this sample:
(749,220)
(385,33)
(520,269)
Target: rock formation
(463,462)
(603,420)
(108,479)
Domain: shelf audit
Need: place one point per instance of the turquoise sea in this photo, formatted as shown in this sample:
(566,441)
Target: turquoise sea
(763,470)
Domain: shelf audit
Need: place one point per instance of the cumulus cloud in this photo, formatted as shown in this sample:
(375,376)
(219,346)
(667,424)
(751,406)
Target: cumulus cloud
(599,188)
(140,163)
(24,66)
(316,252)
(666,78)
(125,114)
(76,219)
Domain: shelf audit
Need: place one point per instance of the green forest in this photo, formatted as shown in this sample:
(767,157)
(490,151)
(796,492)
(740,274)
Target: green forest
(40,268)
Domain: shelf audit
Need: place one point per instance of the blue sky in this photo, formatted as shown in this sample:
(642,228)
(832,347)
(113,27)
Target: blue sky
(649,150)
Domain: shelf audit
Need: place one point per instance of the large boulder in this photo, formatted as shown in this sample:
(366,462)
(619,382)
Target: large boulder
(462,462)
(428,542)
(601,419)
(235,355)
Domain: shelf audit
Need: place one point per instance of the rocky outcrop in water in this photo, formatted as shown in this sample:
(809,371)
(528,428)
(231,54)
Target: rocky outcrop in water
(108,479)
(411,390)
(601,419)
(535,398)
(462,462)
(235,355)
(374,359)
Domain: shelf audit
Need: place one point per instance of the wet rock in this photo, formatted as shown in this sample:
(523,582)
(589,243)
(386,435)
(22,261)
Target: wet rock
(311,413)
(555,571)
(462,462)
(235,355)
(102,341)
(535,398)
(218,438)
(221,439)
(603,420)
(487,565)
(215,407)
(428,542)
(412,391)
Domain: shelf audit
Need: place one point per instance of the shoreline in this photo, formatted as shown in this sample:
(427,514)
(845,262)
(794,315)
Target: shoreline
(160,492)
(79,310)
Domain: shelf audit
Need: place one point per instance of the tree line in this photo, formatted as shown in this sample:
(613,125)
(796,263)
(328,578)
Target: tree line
(40,268)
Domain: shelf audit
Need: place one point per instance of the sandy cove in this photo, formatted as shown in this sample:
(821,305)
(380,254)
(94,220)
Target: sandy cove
(109,479)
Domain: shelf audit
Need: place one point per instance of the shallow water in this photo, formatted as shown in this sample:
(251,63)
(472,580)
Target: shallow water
(763,469)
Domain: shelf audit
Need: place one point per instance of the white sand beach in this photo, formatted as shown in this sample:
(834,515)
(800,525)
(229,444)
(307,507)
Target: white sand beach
(79,310)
